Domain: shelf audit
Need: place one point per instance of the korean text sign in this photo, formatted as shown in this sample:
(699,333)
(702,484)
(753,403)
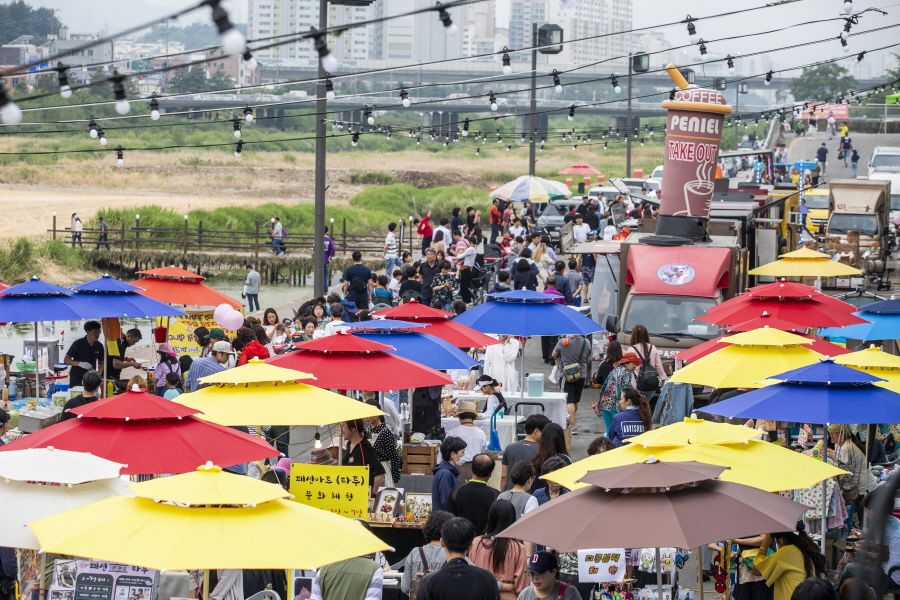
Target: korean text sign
(181,331)
(601,565)
(341,490)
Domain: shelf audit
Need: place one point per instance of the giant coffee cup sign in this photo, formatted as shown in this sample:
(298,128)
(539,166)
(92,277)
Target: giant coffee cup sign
(693,133)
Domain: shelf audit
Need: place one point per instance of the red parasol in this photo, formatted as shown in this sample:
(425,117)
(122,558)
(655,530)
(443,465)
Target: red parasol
(151,446)
(346,362)
(807,312)
(174,285)
(579,169)
(440,325)
(701,350)
(765,320)
(134,406)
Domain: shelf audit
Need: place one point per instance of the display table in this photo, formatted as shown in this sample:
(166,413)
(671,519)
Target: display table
(506,427)
(403,539)
(554,404)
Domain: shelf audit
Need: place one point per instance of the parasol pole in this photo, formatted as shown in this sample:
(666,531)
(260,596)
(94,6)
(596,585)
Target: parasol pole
(824,489)
(37,364)
(700,570)
(522,374)
(205,584)
(659,593)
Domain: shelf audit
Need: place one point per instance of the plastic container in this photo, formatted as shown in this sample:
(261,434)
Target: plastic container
(62,387)
(535,382)
(13,389)
(160,334)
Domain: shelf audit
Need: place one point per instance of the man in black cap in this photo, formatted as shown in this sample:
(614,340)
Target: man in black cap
(542,570)
(85,354)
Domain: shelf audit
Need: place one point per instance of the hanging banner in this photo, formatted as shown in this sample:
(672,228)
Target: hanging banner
(601,565)
(341,490)
(104,580)
(181,331)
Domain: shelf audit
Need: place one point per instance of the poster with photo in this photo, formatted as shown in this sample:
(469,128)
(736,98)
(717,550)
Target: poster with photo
(302,584)
(104,580)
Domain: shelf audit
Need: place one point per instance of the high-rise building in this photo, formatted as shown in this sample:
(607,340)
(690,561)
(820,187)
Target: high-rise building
(521,15)
(597,24)
(417,38)
(267,18)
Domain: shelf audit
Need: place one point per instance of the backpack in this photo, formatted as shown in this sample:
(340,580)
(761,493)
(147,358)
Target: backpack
(284,232)
(418,577)
(359,286)
(562,591)
(648,380)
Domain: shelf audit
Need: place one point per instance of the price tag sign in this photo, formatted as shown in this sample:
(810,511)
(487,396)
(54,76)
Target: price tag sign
(341,490)
(601,565)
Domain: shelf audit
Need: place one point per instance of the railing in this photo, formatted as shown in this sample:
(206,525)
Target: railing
(199,239)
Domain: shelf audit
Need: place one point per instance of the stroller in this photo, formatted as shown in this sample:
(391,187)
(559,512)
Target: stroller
(482,277)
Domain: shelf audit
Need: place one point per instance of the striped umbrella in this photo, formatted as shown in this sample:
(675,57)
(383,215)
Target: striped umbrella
(531,189)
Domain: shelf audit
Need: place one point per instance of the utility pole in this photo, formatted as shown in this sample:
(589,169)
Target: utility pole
(320,286)
(532,159)
(628,120)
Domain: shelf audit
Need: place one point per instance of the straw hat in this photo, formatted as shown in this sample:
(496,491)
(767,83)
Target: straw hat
(467,407)
(321,456)
(630,357)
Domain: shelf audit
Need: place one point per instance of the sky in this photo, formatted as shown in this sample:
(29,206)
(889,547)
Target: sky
(114,15)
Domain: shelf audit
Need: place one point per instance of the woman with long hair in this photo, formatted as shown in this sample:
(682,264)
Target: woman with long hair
(479,245)
(270,320)
(647,352)
(552,444)
(613,355)
(634,418)
(851,452)
(797,558)
(438,242)
(505,558)
(252,347)
(523,277)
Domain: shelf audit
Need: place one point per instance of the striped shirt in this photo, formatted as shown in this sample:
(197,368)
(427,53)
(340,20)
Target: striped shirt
(202,367)
(390,244)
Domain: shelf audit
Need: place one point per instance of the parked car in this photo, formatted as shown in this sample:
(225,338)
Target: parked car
(885,159)
(553,217)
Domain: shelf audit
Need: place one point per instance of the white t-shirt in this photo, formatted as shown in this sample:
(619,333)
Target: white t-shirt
(277,230)
(516,231)
(476,441)
(391,244)
(334,326)
(580,231)
(892,541)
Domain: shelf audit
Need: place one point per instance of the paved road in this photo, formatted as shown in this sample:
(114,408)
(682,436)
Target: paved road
(805,149)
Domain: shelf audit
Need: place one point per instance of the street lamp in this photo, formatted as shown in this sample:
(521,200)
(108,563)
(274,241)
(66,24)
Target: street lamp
(548,38)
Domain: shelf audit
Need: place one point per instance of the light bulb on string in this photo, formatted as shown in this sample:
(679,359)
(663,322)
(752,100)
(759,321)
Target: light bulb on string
(92,125)
(848,6)
(64,90)
(768,80)
(329,89)
(102,136)
(730,62)
(615,84)
(449,26)
(844,45)
(367,115)
(507,64)
(237,126)
(238,148)
(692,30)
(571,116)
(355,139)
(702,47)
(404,97)
(465,130)
(122,105)
(154,107)
(557,84)
(250,61)
(120,156)
(493,101)
(320,41)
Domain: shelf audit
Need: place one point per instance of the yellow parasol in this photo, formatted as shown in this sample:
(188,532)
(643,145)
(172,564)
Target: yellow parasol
(757,464)
(749,360)
(805,263)
(695,431)
(877,363)
(205,487)
(243,396)
(256,371)
(160,535)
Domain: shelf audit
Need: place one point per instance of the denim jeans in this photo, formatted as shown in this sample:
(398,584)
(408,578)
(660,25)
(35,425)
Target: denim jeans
(398,398)
(448,306)
(390,264)
(853,166)
(252,299)
(495,231)
(607,419)
(277,246)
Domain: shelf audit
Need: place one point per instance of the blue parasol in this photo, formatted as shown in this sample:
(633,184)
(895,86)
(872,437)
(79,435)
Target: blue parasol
(123,298)
(425,349)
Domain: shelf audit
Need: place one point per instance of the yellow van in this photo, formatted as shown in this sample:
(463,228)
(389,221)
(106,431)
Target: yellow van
(816,200)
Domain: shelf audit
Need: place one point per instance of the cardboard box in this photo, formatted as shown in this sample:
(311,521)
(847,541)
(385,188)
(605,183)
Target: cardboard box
(419,458)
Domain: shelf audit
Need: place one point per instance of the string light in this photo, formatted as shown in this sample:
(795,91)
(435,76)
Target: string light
(572,113)
(250,61)
(444,16)
(367,114)
(702,48)
(64,90)
(10,114)
(154,107)
(730,61)
(465,130)
(508,148)
(404,97)
(320,41)
(844,46)
(92,125)
(860,56)
(329,88)
(477,151)
(355,139)
(848,6)
(318,443)
(642,142)
(691,29)
(233,41)
(102,136)
(237,126)
(672,95)
(122,105)
(507,66)
(556,82)
(848,23)
(120,156)
(493,101)
(237,153)
(769,77)
(615,84)
(605,145)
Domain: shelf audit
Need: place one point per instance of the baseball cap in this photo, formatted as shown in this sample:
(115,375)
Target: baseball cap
(542,562)
(216,333)
(168,349)
(223,347)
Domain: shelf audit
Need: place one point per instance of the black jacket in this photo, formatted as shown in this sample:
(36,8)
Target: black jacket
(456,576)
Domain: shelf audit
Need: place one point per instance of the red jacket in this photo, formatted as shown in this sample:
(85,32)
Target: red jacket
(424,228)
(252,350)
(496,217)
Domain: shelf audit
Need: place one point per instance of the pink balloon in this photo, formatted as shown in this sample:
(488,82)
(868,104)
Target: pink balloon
(233,321)
(221,311)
